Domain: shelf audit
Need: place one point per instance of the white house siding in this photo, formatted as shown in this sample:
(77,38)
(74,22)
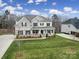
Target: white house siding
(39,20)
(67,28)
(45,24)
(24,20)
(31,28)
(19,26)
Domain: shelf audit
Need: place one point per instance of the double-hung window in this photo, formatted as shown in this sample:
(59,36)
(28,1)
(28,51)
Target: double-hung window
(48,24)
(35,24)
(24,24)
(20,32)
(41,24)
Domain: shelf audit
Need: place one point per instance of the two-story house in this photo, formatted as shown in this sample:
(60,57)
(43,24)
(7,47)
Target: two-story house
(31,25)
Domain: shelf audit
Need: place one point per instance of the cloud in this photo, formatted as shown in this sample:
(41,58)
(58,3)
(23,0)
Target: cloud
(46,9)
(19,13)
(36,1)
(54,3)
(26,10)
(54,11)
(15,10)
(11,1)
(67,9)
(30,1)
(40,0)
(10,8)
(19,7)
(35,12)
(74,11)
(70,10)
(2,4)
(44,14)
(0,1)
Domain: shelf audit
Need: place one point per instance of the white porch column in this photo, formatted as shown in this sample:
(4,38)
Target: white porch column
(24,32)
(39,31)
(53,31)
(16,32)
(31,32)
(44,31)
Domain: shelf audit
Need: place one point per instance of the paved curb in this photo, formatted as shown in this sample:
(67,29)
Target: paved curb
(71,37)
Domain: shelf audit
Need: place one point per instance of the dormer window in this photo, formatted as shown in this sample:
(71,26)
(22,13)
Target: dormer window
(35,24)
(69,26)
(25,24)
(48,24)
(41,24)
(22,23)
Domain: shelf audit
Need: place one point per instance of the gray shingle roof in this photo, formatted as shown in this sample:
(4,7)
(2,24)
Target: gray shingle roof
(30,17)
(73,21)
(43,19)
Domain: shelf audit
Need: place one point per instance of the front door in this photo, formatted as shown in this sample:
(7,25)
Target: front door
(41,31)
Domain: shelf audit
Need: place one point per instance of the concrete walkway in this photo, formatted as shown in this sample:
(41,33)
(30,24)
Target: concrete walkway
(5,42)
(72,37)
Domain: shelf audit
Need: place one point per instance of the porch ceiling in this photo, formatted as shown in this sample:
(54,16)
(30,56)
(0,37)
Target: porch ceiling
(42,28)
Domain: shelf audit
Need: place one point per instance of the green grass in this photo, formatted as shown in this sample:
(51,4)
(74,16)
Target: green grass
(50,48)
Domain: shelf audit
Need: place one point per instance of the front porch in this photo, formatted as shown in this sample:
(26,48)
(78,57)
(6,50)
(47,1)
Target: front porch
(35,32)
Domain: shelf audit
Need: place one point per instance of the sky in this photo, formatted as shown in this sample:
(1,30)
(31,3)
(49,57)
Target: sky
(68,8)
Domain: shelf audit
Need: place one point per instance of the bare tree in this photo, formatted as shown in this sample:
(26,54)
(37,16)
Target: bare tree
(56,23)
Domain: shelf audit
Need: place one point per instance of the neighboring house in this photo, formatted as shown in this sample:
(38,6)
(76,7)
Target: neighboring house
(71,26)
(31,25)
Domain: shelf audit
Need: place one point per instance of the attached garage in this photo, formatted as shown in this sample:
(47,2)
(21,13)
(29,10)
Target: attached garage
(76,33)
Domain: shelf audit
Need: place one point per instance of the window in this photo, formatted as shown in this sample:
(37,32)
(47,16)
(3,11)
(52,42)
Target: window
(27,32)
(22,23)
(52,31)
(41,24)
(20,32)
(35,31)
(48,24)
(48,31)
(35,24)
(69,26)
(25,24)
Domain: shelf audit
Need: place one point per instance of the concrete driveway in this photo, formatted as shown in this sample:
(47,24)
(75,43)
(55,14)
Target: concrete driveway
(5,42)
(72,37)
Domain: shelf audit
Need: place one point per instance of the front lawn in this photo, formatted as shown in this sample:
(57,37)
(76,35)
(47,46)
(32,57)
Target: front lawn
(50,48)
